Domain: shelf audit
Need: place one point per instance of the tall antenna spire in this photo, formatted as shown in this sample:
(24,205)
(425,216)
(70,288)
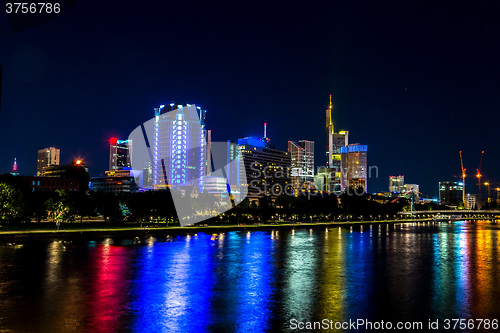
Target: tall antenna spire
(14,168)
(265,130)
(330,115)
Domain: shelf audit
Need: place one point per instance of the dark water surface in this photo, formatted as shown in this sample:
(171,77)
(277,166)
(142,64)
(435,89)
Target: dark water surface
(253,281)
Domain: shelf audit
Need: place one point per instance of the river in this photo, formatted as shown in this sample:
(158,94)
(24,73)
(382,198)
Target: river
(259,281)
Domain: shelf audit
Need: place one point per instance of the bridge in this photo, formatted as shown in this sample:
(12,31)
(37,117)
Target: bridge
(466,213)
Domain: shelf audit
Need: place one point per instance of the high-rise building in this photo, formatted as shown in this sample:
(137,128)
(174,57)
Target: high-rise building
(411,187)
(47,157)
(412,190)
(322,179)
(354,166)
(450,193)
(473,201)
(119,154)
(179,156)
(302,163)
(267,169)
(396,183)
(334,143)
(228,174)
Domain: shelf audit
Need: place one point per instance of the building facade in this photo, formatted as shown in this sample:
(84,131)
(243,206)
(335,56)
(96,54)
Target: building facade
(52,183)
(115,181)
(267,170)
(179,156)
(354,166)
(397,183)
(334,143)
(47,157)
(302,163)
(473,201)
(450,193)
(119,154)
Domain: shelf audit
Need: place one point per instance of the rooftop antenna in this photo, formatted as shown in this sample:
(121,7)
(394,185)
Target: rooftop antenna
(330,115)
(265,130)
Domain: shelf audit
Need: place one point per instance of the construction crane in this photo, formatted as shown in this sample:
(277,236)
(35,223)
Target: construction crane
(479,175)
(463,178)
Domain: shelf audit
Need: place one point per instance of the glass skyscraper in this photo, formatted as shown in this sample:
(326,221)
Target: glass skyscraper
(354,166)
(179,155)
(334,143)
(302,163)
(119,154)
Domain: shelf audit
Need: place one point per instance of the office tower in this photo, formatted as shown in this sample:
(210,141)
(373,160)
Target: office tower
(354,166)
(302,163)
(179,156)
(334,142)
(411,187)
(47,157)
(267,169)
(412,190)
(228,174)
(396,183)
(450,192)
(119,154)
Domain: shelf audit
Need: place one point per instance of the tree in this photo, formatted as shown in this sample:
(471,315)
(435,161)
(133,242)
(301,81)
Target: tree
(10,202)
(58,206)
(36,206)
(82,204)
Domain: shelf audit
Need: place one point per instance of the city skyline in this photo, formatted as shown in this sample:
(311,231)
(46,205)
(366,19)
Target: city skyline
(317,168)
(416,94)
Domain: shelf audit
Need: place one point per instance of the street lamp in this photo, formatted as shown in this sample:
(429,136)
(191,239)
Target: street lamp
(498,195)
(489,197)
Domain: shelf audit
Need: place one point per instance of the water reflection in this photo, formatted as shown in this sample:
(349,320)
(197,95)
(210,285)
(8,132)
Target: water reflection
(172,285)
(300,266)
(252,281)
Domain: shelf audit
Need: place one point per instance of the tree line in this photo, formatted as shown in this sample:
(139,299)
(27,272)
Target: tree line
(20,204)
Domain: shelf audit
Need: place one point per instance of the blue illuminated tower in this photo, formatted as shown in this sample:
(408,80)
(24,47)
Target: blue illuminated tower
(179,146)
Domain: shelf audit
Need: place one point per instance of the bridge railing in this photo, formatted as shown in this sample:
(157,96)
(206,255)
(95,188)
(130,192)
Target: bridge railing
(451,212)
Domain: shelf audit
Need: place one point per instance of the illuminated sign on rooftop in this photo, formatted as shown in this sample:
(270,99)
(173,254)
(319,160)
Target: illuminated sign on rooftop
(353,149)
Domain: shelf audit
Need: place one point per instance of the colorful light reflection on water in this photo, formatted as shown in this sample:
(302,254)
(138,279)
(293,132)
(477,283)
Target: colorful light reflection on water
(252,281)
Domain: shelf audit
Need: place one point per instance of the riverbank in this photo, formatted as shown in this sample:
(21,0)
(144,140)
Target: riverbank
(76,230)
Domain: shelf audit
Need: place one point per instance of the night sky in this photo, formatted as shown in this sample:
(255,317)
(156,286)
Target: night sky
(416,81)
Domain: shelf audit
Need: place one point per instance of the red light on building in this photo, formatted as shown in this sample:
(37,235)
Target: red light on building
(113,141)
